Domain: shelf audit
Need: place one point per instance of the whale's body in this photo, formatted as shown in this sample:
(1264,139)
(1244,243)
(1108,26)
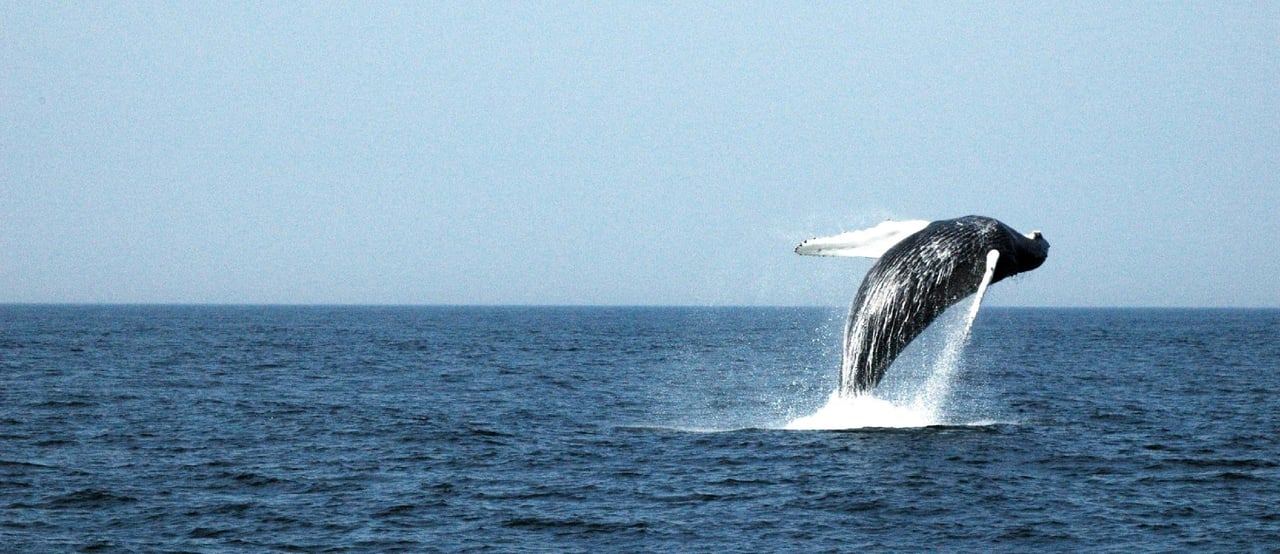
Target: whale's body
(928,268)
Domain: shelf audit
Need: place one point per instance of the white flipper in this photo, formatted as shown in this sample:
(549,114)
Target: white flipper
(992,257)
(867,243)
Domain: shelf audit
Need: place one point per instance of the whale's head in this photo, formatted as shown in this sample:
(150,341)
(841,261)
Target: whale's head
(1019,252)
(1030,251)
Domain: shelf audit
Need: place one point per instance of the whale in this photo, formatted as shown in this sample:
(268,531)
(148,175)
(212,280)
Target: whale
(921,269)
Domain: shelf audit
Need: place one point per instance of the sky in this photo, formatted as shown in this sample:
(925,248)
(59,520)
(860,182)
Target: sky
(629,153)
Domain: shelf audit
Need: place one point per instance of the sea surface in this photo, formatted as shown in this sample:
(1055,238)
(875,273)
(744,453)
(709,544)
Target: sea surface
(574,429)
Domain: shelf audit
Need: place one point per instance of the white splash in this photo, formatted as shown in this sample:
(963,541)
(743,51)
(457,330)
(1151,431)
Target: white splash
(858,412)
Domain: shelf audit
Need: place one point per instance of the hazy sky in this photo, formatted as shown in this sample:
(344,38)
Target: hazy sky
(628,153)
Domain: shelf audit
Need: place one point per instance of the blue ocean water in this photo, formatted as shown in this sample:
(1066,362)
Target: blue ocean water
(531,429)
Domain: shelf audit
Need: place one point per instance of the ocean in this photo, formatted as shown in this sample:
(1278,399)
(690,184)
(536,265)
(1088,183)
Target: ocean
(631,429)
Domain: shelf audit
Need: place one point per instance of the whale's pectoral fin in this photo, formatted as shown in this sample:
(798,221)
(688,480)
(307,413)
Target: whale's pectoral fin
(992,258)
(867,243)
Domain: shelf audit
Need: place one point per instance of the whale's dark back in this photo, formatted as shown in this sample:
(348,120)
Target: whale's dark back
(918,279)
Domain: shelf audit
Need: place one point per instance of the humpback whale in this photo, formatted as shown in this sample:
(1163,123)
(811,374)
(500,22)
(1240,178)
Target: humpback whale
(923,269)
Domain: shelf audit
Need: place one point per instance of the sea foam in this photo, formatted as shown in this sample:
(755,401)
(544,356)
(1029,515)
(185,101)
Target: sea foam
(857,412)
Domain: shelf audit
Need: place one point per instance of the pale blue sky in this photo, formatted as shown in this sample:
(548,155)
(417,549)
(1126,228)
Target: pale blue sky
(628,153)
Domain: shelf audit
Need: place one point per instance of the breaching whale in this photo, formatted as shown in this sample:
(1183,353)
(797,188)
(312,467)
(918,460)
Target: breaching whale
(923,269)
